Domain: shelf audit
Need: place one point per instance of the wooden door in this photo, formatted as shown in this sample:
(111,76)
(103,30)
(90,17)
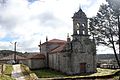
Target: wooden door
(82,67)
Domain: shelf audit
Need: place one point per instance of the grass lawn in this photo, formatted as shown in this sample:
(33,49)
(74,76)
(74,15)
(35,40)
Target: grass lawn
(8,69)
(7,72)
(44,73)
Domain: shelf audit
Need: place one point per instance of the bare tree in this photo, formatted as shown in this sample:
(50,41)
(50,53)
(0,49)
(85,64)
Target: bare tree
(104,28)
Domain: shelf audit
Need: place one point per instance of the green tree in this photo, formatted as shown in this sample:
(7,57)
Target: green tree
(104,28)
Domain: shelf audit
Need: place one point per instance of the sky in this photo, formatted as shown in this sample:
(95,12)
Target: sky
(29,21)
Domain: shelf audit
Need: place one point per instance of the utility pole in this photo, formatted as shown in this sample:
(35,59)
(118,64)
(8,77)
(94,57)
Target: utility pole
(15,51)
(40,46)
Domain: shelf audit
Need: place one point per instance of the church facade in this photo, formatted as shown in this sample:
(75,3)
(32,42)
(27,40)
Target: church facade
(74,56)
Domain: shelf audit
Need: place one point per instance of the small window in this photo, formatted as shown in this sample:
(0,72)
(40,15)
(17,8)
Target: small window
(83,28)
(78,26)
(83,32)
(78,32)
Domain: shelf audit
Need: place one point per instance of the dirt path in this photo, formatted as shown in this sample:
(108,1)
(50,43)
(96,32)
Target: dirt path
(17,73)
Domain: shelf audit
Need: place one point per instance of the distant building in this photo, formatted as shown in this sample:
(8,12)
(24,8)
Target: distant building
(72,56)
(35,61)
(10,59)
(32,60)
(108,63)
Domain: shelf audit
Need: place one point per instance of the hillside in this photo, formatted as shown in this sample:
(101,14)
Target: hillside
(105,56)
(4,53)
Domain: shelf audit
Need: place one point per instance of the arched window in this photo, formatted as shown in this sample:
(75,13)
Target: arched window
(83,29)
(77,28)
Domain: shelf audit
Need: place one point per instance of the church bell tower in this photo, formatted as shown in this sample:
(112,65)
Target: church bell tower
(80,27)
(83,56)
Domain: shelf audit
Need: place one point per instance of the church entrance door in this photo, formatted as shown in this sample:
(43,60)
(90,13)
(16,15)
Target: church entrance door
(82,67)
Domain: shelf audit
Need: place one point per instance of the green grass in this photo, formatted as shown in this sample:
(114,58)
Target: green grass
(5,77)
(8,69)
(117,77)
(25,69)
(45,73)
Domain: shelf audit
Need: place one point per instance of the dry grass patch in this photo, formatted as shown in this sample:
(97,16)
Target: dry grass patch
(5,77)
(7,69)
(28,74)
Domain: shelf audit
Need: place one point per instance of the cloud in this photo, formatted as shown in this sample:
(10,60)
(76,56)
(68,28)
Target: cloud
(29,21)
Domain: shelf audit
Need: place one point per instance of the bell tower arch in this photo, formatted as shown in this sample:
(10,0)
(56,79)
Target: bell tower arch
(80,24)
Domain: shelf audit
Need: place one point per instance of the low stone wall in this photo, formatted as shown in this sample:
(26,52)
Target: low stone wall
(17,71)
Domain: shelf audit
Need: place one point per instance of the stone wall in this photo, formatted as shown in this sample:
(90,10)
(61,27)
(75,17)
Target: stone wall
(34,63)
(60,62)
(37,63)
(83,58)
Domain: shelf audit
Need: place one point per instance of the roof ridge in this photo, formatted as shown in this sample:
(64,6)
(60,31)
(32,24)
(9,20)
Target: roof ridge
(55,41)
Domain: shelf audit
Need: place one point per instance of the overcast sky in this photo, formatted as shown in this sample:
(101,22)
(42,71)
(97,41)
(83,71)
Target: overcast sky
(29,21)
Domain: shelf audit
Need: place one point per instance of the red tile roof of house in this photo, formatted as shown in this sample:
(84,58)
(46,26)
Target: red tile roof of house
(36,56)
(59,48)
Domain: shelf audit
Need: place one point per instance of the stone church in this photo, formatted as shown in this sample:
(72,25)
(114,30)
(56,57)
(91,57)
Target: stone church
(74,56)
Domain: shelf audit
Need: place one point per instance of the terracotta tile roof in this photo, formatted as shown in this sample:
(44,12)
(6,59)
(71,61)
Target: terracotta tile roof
(58,49)
(36,56)
(11,57)
(55,41)
(29,54)
(61,44)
